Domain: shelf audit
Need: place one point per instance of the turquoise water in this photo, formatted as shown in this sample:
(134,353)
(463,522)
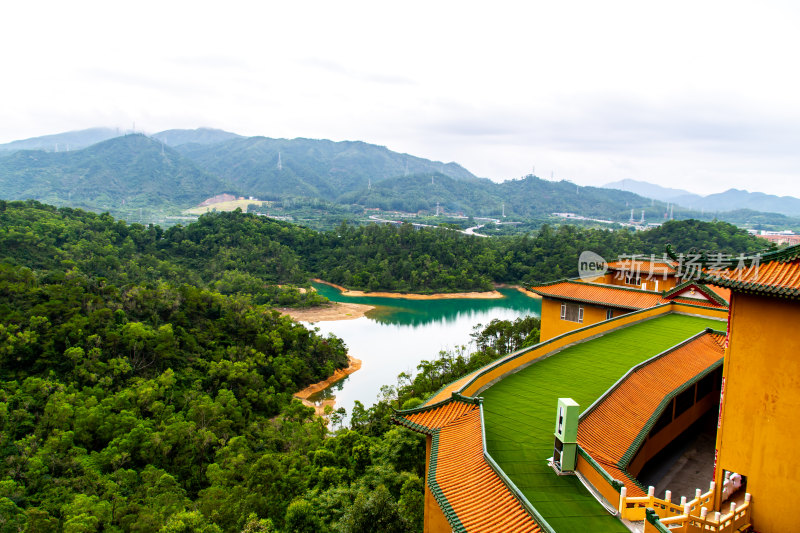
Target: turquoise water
(399,333)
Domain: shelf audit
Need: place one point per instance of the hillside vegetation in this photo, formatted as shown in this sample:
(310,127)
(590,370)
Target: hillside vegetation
(144,179)
(143,389)
(146,383)
(122,175)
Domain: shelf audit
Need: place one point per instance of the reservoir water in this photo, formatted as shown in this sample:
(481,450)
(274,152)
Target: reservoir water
(399,333)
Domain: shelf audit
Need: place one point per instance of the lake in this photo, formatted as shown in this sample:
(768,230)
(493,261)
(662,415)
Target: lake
(399,333)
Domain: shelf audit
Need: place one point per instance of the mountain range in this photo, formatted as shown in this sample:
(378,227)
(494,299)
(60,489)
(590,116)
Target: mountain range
(118,175)
(730,200)
(143,178)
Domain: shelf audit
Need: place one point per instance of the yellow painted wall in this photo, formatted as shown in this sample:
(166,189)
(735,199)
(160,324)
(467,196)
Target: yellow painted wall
(553,325)
(597,480)
(433,520)
(760,435)
(710,312)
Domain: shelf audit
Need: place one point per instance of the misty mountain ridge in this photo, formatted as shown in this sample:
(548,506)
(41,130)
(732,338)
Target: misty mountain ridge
(730,200)
(119,174)
(177,169)
(648,190)
(62,142)
(269,168)
(197,136)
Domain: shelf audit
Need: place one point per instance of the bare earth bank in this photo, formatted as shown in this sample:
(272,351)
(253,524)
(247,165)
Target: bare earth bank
(303,395)
(412,296)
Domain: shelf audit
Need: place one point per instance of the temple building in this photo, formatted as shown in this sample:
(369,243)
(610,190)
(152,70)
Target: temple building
(556,437)
(629,285)
(758,435)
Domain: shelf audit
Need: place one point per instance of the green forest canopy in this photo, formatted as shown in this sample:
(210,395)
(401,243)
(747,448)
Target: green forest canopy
(146,381)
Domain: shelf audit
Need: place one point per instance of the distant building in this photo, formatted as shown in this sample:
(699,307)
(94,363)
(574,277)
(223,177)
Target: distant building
(781,239)
(628,286)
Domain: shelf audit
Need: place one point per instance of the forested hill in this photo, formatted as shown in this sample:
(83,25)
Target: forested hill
(241,253)
(121,175)
(422,192)
(308,167)
(147,179)
(131,400)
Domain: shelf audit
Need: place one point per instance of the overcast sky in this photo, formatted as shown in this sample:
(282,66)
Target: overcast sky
(697,95)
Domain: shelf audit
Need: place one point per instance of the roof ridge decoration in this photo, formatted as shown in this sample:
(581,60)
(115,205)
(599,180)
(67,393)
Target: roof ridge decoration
(790,253)
(774,273)
(711,295)
(591,284)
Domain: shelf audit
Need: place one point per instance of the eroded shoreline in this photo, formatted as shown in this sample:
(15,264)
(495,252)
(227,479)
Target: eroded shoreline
(319,408)
(327,312)
(414,296)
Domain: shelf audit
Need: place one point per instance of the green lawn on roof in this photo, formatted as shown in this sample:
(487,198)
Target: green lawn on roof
(520,411)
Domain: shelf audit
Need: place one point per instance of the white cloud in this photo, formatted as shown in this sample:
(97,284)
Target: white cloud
(694,95)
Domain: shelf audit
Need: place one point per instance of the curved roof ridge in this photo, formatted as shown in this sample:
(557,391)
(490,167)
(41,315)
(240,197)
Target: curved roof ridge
(472,496)
(598,293)
(775,278)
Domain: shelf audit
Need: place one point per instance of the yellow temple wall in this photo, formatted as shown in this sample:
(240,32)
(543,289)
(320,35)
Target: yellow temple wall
(710,312)
(553,325)
(434,520)
(759,432)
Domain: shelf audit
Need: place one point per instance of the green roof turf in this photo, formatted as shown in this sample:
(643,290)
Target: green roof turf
(520,410)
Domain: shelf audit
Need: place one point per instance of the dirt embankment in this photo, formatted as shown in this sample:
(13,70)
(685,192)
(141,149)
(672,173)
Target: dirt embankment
(323,313)
(319,407)
(413,296)
(526,292)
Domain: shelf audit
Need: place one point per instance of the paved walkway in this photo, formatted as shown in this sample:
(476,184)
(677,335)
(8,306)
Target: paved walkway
(686,465)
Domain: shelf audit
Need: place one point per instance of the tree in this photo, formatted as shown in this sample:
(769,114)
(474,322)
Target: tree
(376,512)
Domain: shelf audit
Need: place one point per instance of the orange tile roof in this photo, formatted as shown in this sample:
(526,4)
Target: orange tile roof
(643,266)
(722,292)
(617,297)
(472,495)
(771,277)
(437,418)
(614,427)
(599,294)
